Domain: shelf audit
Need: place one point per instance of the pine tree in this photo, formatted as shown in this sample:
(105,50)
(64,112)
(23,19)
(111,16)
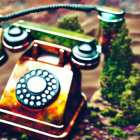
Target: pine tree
(117,66)
(120,79)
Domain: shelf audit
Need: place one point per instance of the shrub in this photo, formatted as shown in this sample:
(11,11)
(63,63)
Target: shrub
(98,124)
(130,98)
(24,137)
(70,23)
(120,79)
(94,115)
(117,66)
(88,137)
(117,132)
(119,120)
(109,112)
(138,128)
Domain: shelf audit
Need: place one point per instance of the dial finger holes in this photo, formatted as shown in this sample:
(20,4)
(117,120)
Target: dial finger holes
(37,89)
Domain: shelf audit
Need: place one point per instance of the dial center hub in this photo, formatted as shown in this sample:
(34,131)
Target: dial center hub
(36,84)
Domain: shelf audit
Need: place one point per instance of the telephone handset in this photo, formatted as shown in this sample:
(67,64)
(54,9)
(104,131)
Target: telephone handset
(84,48)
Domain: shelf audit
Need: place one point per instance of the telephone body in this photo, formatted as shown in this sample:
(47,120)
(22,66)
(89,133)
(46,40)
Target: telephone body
(43,96)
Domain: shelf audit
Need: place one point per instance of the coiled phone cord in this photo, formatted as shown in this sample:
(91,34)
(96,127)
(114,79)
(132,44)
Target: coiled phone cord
(80,7)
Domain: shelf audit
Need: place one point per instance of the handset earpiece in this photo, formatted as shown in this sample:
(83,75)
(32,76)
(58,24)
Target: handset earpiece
(15,38)
(85,56)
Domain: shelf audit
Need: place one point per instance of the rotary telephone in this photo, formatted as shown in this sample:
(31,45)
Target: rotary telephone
(43,96)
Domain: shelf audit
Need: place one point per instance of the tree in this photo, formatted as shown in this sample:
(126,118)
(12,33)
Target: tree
(120,79)
(117,66)
(70,23)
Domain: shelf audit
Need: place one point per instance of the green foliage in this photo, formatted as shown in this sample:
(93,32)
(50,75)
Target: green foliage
(98,124)
(109,26)
(70,23)
(112,81)
(109,112)
(88,137)
(117,132)
(120,79)
(138,128)
(94,115)
(130,99)
(134,82)
(117,66)
(136,115)
(119,120)
(24,137)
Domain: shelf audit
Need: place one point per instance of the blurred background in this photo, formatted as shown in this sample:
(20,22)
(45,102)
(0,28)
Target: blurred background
(89,22)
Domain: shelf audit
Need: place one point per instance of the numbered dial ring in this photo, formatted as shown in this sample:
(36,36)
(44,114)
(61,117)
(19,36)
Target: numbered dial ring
(37,89)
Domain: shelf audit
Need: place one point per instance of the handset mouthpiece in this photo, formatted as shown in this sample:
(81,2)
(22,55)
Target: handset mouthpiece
(110,14)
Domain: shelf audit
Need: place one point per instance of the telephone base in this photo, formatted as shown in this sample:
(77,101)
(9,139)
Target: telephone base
(51,131)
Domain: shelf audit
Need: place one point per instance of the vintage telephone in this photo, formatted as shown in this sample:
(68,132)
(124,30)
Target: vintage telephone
(43,95)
